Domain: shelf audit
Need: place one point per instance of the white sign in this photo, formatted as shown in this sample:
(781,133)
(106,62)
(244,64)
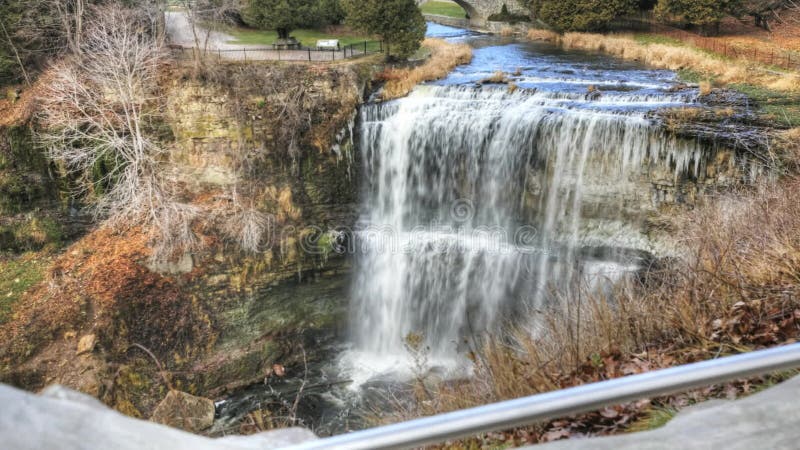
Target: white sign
(328,44)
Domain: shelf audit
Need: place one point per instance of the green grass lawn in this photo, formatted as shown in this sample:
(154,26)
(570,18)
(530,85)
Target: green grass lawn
(647,38)
(782,107)
(443,9)
(17,275)
(308,38)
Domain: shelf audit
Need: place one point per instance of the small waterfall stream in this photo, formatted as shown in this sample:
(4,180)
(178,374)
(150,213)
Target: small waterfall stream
(479,201)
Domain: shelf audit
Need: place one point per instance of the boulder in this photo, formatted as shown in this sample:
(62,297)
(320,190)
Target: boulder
(184,411)
(86,344)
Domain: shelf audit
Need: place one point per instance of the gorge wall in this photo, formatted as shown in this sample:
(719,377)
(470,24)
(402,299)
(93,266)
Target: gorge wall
(275,139)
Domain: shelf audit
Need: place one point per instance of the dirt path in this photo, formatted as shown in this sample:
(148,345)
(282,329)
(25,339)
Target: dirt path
(179,32)
(218,45)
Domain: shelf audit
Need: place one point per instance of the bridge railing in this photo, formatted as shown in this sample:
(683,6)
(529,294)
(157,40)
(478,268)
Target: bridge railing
(552,405)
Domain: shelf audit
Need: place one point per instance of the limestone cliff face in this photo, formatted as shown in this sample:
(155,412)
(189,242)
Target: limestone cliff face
(282,138)
(276,139)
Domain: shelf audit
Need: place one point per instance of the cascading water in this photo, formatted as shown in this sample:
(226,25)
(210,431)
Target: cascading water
(482,203)
(481,200)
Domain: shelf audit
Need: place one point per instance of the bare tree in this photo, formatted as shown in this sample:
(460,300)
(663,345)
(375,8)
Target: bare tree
(71,14)
(765,11)
(57,25)
(15,50)
(242,223)
(795,5)
(100,110)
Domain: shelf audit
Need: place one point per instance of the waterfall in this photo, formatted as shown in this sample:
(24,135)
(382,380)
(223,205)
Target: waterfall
(478,202)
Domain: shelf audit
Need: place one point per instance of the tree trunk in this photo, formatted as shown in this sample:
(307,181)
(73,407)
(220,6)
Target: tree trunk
(283,33)
(761,21)
(16,54)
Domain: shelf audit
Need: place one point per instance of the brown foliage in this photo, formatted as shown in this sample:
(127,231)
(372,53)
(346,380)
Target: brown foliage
(101,285)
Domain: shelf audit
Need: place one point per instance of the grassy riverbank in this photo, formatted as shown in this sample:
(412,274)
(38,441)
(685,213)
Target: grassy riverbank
(444,57)
(668,54)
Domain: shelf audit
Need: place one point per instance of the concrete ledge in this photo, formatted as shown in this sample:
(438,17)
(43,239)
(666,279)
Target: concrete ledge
(67,420)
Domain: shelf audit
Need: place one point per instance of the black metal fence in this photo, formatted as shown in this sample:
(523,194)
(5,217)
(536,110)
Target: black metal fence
(355,50)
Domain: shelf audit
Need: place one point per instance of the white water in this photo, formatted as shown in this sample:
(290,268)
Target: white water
(474,207)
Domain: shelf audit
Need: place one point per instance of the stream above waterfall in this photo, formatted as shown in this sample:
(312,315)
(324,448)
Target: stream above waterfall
(483,201)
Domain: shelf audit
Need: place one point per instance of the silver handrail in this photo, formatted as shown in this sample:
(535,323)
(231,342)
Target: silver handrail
(551,405)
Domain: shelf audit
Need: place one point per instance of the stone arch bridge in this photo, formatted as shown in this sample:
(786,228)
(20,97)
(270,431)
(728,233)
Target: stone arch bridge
(480,10)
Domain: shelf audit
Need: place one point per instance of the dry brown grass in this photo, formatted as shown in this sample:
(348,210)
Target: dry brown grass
(789,147)
(737,289)
(676,118)
(705,88)
(499,77)
(542,35)
(444,58)
(103,273)
(21,109)
(676,58)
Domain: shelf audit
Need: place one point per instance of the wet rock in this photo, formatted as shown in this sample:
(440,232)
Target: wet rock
(723,118)
(185,411)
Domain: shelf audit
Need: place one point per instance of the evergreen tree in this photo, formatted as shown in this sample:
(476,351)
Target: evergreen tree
(398,22)
(282,16)
(331,12)
(705,14)
(581,15)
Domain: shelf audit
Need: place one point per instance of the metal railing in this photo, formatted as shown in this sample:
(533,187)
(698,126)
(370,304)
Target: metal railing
(580,399)
(277,54)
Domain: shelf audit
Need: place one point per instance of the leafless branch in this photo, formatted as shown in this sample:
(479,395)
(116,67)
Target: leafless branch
(98,111)
(11,44)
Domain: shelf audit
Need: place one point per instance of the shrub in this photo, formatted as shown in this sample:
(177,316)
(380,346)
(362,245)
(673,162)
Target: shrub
(705,14)
(736,289)
(581,15)
(444,57)
(398,22)
(282,16)
(331,12)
